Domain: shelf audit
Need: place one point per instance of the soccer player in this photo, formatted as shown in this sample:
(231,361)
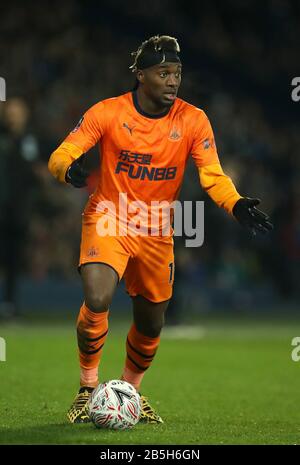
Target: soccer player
(145,138)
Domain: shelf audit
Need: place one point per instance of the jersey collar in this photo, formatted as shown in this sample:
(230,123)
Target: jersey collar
(144,113)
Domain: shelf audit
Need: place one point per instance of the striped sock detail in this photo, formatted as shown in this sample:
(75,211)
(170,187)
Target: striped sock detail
(140,350)
(88,345)
(92,329)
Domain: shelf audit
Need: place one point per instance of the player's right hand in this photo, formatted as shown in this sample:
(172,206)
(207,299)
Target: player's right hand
(76,174)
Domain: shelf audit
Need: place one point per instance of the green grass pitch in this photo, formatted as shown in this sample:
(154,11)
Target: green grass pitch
(235,384)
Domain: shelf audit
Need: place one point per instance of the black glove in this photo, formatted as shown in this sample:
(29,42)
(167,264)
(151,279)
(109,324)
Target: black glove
(76,174)
(248,215)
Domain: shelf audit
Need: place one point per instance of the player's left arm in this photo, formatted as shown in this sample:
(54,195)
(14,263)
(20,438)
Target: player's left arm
(219,186)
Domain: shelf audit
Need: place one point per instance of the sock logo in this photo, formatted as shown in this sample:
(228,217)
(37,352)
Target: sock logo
(120,395)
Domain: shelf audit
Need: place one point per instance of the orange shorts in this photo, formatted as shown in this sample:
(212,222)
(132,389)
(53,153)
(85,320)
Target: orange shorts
(145,262)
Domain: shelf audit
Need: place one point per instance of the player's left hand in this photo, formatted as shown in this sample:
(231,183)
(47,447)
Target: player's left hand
(249,216)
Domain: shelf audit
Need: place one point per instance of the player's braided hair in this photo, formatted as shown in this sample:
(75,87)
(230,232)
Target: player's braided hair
(156,43)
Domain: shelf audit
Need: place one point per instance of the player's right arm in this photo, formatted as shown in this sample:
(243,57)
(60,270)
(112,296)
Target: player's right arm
(65,163)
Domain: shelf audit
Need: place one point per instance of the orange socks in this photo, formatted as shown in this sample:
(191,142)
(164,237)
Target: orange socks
(92,329)
(140,353)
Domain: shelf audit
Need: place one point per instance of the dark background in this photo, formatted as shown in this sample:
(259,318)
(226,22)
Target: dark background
(239,58)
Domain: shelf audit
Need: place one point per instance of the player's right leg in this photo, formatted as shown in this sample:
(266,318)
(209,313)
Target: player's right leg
(103,260)
(99,283)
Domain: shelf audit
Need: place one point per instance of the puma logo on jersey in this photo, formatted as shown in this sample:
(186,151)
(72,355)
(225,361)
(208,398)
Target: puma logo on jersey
(125,125)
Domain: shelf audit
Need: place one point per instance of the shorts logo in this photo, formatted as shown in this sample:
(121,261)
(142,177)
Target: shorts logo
(78,125)
(175,134)
(93,252)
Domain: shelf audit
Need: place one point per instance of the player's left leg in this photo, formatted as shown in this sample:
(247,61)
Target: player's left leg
(141,346)
(143,338)
(149,281)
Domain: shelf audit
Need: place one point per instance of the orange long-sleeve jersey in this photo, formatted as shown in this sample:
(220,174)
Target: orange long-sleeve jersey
(143,155)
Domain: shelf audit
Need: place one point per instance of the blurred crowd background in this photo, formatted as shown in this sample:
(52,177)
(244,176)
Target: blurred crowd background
(239,57)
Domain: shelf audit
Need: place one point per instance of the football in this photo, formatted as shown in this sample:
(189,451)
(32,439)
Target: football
(115,404)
